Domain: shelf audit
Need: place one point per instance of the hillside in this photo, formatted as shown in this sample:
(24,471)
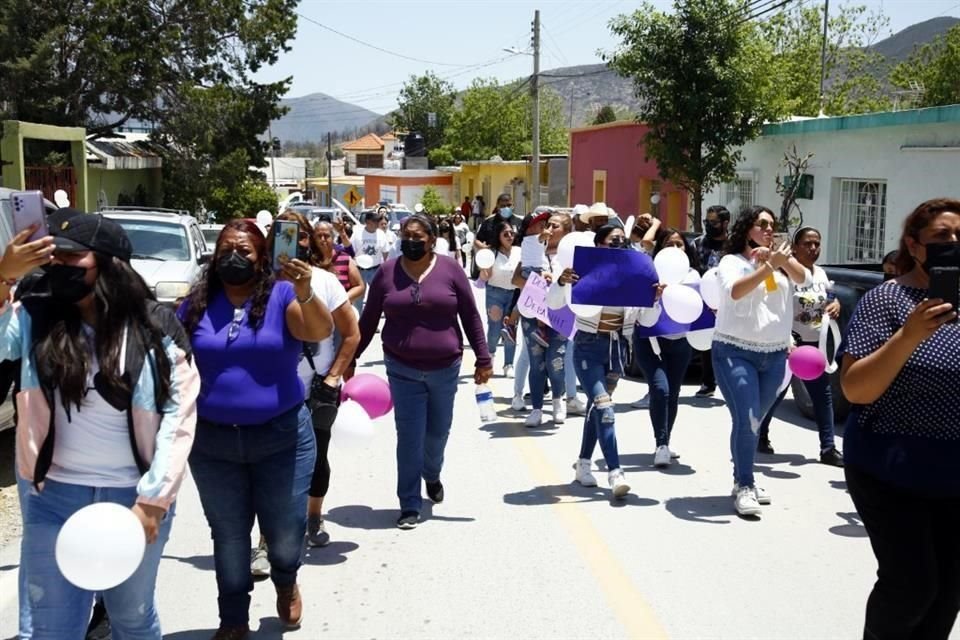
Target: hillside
(900,45)
(312,116)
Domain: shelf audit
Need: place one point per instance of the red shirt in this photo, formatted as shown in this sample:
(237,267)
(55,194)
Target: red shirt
(465,209)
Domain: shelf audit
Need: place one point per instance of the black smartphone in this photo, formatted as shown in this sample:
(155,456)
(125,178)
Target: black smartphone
(945,284)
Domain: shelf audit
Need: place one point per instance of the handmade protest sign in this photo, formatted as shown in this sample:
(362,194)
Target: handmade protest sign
(613,277)
(533,304)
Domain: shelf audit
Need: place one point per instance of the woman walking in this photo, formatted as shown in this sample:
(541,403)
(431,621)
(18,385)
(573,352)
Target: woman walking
(901,371)
(499,293)
(337,261)
(422,296)
(255,450)
(812,306)
(751,338)
(106,404)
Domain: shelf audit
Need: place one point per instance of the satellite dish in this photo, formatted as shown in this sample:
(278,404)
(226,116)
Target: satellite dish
(61,199)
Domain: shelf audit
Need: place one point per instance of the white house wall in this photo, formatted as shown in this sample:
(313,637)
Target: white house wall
(876,153)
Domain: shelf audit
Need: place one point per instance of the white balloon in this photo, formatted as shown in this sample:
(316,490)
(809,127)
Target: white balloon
(470,237)
(828,324)
(683,304)
(692,277)
(484,258)
(651,317)
(442,248)
(100,546)
(353,428)
(628,226)
(581,310)
(264,218)
(701,340)
(672,265)
(710,289)
(418,208)
(569,243)
(364,261)
(61,199)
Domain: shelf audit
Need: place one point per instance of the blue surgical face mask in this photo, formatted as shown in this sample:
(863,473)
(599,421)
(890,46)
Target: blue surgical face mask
(506,212)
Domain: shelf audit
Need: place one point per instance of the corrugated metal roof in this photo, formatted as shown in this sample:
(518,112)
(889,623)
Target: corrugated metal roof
(131,151)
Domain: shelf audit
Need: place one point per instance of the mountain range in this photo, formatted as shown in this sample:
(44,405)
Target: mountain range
(584,89)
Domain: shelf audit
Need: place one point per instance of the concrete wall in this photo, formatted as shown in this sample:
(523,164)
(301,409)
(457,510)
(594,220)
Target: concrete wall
(874,153)
(118,181)
(407,190)
(490,180)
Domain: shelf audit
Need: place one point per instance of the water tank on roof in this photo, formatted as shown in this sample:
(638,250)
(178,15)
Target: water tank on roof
(414,146)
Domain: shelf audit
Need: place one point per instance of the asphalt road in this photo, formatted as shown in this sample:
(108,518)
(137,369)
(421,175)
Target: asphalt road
(517,551)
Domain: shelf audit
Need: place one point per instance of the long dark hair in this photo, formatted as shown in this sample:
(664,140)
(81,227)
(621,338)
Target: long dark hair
(500,227)
(208,284)
(62,354)
(919,218)
(661,241)
(450,235)
(740,231)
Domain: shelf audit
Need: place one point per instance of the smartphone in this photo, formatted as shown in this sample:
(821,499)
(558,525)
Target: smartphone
(28,210)
(779,239)
(285,236)
(945,284)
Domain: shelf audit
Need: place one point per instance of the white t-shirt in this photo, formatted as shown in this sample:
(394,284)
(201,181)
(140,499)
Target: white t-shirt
(759,321)
(808,306)
(504,265)
(326,287)
(92,447)
(373,244)
(461,230)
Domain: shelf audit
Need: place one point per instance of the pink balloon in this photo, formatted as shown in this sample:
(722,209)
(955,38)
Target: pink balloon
(807,362)
(370,392)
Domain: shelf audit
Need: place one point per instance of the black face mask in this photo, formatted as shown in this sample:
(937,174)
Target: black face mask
(714,229)
(413,249)
(235,269)
(67,283)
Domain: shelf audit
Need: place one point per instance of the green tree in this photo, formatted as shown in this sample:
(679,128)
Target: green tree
(851,84)
(700,74)
(934,70)
(419,97)
(496,120)
(605,114)
(433,203)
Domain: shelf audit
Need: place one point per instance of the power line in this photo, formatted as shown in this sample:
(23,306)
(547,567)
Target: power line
(754,16)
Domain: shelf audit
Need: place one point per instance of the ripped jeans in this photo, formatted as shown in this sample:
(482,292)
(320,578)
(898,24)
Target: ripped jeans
(749,381)
(599,359)
(545,362)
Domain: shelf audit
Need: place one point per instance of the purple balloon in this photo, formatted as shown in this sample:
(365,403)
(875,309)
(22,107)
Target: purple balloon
(370,392)
(807,362)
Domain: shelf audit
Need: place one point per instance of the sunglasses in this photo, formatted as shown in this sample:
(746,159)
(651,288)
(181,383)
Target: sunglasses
(234,330)
(765,224)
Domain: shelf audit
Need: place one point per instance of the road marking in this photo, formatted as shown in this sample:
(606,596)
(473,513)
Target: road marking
(628,604)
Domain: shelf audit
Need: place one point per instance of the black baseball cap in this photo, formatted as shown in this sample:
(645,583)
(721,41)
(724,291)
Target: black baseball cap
(75,231)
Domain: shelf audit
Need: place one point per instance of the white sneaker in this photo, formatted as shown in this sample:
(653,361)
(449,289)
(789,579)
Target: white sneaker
(746,502)
(259,563)
(518,404)
(673,454)
(618,483)
(584,475)
(642,403)
(762,496)
(535,419)
(661,458)
(576,407)
(508,371)
(559,411)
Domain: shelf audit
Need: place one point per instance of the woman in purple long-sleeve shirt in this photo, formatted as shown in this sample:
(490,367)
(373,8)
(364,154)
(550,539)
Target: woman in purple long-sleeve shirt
(422,295)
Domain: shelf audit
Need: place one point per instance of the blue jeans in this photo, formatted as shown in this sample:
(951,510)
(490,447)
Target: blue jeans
(545,362)
(58,609)
(498,299)
(822,397)
(247,471)
(367,276)
(26,625)
(521,371)
(599,361)
(664,374)
(423,410)
(749,381)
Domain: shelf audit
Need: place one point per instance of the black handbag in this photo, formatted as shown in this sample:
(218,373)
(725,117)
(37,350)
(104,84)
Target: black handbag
(321,394)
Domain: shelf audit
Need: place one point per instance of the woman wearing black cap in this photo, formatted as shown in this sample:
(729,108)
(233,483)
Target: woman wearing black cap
(106,405)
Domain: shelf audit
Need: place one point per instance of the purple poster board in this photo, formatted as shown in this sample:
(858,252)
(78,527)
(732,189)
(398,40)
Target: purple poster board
(613,277)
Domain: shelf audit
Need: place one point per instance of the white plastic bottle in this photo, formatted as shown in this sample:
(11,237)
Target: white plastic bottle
(485,403)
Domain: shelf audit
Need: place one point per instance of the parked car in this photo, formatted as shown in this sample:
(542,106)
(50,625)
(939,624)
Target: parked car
(169,249)
(210,234)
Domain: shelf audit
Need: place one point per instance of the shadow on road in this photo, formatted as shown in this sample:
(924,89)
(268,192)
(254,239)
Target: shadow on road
(706,509)
(854,527)
(334,553)
(701,403)
(839,484)
(363,517)
(269,629)
(204,563)
(763,464)
(572,493)
(512,429)
(633,462)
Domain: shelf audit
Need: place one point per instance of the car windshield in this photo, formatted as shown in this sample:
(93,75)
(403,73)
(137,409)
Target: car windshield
(156,240)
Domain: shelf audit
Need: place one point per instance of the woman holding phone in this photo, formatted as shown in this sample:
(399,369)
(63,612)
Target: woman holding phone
(255,449)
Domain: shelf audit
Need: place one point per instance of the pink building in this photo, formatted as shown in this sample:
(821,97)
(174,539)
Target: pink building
(608,164)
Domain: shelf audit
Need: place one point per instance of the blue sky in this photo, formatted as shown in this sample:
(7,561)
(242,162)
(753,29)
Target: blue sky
(463,39)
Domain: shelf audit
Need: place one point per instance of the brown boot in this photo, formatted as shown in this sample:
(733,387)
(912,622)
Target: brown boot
(232,633)
(289,606)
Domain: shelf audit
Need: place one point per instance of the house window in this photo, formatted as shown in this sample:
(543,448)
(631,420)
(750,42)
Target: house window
(740,194)
(369,161)
(863,212)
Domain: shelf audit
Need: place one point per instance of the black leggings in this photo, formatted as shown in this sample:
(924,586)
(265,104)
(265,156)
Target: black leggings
(323,404)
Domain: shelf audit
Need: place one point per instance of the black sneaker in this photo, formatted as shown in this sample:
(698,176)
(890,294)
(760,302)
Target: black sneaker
(408,520)
(435,491)
(831,457)
(764,446)
(317,535)
(706,391)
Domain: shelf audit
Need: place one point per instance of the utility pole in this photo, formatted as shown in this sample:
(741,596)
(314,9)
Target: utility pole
(273,159)
(823,55)
(535,89)
(329,171)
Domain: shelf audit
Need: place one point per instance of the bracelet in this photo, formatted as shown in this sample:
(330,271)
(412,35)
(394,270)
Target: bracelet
(308,300)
